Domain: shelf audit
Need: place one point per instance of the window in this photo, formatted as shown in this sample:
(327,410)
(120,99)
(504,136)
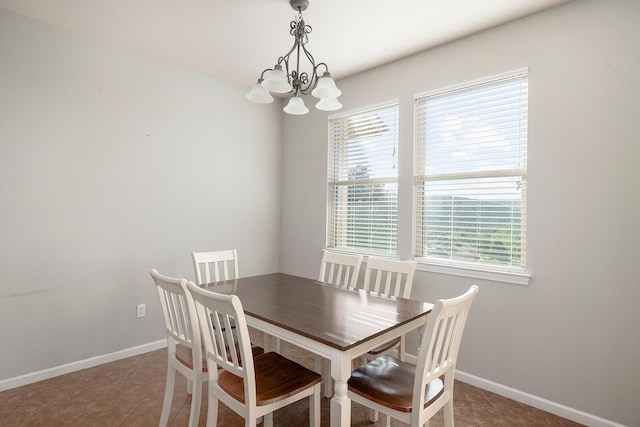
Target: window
(363,181)
(471,174)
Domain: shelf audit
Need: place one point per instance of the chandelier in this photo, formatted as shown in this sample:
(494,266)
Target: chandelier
(286,77)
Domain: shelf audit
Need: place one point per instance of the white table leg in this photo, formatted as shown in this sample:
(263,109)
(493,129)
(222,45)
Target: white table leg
(340,403)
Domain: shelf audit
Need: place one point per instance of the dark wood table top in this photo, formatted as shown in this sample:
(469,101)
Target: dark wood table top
(340,318)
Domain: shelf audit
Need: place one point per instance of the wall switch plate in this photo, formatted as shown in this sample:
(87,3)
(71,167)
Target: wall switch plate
(140,311)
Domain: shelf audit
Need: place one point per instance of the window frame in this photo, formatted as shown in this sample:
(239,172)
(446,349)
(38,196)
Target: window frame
(330,182)
(500,273)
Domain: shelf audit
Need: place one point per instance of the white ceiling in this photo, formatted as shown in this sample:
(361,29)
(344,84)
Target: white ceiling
(237,39)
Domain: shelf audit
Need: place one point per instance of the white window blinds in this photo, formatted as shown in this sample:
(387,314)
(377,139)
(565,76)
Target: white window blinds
(471,173)
(363,181)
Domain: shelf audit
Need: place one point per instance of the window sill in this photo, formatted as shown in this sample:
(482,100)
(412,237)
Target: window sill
(519,277)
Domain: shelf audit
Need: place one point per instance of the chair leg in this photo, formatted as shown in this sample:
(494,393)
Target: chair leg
(372,415)
(314,407)
(327,381)
(196,402)
(168,396)
(385,420)
(317,364)
(363,360)
(448,413)
(212,411)
(189,386)
(323,367)
(268,420)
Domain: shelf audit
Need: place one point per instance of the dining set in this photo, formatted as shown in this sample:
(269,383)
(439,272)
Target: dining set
(346,321)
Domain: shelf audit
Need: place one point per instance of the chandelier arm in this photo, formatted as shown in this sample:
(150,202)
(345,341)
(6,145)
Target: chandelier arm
(326,67)
(313,80)
(285,58)
(262,73)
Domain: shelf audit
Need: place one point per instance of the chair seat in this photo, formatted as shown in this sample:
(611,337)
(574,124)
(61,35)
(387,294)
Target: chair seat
(185,355)
(384,347)
(389,382)
(276,379)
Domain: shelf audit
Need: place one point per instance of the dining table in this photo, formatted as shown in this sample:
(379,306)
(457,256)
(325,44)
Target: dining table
(336,323)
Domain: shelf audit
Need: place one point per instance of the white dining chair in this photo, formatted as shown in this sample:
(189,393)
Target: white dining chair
(251,387)
(184,348)
(390,278)
(215,266)
(340,269)
(414,393)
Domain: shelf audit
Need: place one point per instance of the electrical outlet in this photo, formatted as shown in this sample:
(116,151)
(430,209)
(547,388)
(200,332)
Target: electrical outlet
(140,311)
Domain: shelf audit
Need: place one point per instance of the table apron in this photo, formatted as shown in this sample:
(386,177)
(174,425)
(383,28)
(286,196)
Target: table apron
(328,351)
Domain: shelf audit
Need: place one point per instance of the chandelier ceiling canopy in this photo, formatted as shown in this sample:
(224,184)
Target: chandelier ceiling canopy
(286,77)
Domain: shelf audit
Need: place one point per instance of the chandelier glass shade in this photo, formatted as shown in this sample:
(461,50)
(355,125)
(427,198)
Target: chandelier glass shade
(286,76)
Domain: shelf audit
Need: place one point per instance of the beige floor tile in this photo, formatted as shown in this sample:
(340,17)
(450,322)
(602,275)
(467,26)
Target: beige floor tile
(130,393)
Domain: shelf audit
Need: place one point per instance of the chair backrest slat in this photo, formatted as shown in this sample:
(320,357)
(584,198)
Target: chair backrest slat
(340,269)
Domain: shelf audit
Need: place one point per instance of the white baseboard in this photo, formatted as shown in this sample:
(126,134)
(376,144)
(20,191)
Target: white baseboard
(529,399)
(502,390)
(79,365)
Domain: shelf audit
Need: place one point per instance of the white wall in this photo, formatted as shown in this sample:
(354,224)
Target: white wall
(571,336)
(113,163)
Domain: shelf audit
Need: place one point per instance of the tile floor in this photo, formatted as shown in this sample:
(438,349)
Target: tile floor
(129,392)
